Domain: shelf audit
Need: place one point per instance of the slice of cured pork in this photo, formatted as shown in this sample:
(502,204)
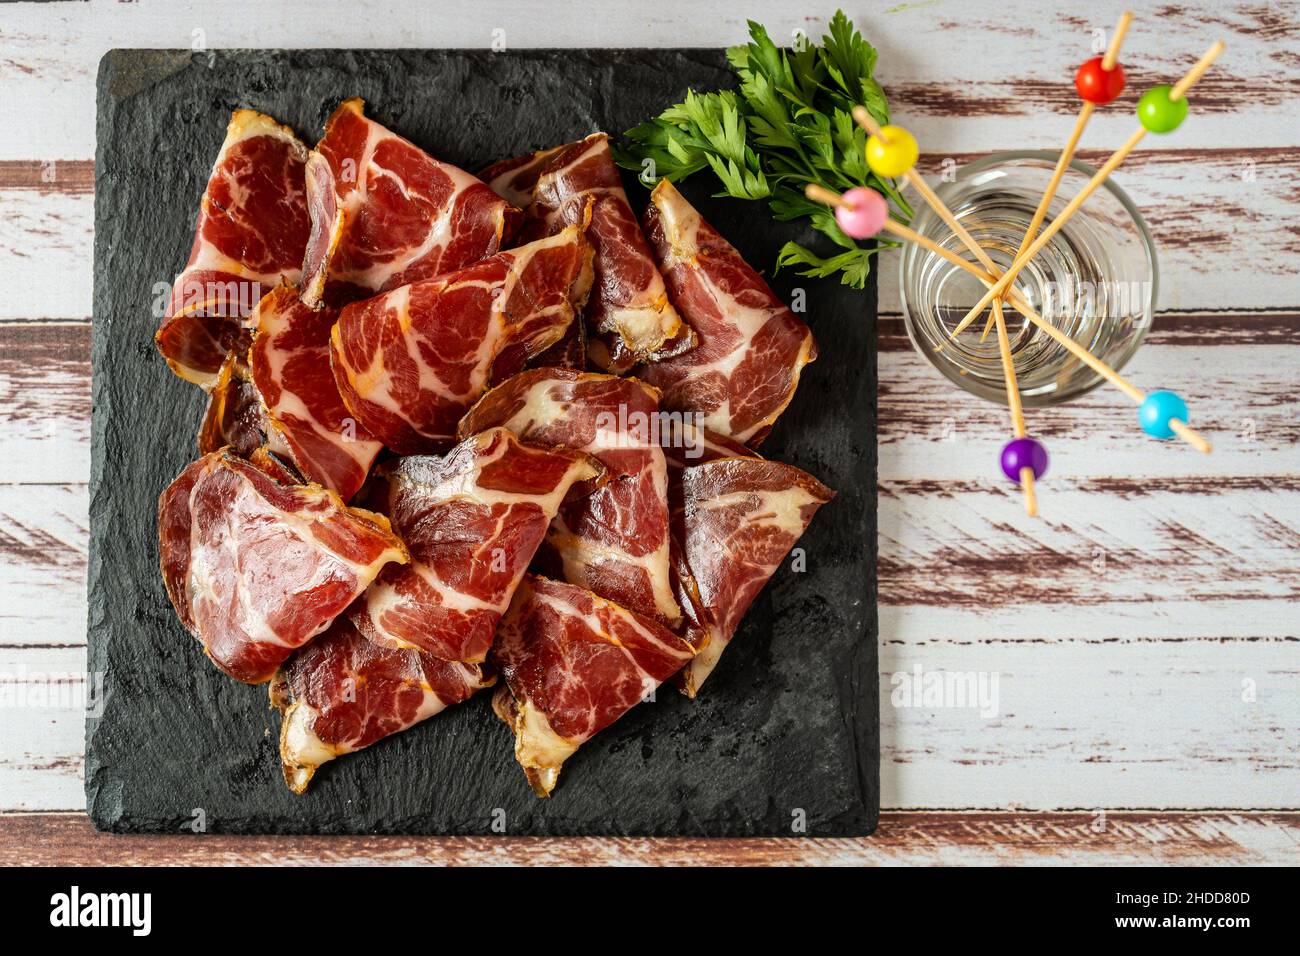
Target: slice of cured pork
(690,444)
(614,541)
(751,349)
(384,213)
(234,416)
(735,520)
(290,363)
(252,229)
(573,663)
(276,466)
(236,420)
(255,568)
(472,522)
(342,693)
(629,314)
(569,352)
(411,362)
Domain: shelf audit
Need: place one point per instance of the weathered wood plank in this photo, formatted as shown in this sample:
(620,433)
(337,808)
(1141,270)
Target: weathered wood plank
(1099,542)
(1240,397)
(1159,622)
(1212,212)
(1084,712)
(44,402)
(44,536)
(43,695)
(46,238)
(41,763)
(1189,187)
(1229,327)
(943,64)
(919,839)
(72,176)
(1104,545)
(1204,206)
(1241,392)
(1092,722)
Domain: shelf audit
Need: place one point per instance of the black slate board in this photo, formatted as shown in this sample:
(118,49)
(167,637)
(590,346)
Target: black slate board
(785,738)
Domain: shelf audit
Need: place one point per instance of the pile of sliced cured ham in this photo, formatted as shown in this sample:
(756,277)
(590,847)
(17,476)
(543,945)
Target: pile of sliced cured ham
(470,431)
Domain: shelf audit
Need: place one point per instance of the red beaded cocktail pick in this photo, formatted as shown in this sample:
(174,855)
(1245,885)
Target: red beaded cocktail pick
(1160,110)
(892,152)
(1098,81)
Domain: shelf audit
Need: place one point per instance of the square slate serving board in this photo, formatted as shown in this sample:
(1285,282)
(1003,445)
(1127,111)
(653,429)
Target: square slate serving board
(784,739)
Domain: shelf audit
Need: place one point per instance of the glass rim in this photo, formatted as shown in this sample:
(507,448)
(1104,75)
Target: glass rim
(1088,170)
(1050,157)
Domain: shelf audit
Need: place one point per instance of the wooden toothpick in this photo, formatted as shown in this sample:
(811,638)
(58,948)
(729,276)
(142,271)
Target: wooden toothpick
(885,224)
(868,122)
(1072,207)
(1108,62)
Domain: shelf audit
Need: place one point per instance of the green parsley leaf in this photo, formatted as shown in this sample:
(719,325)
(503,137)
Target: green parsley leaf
(788,124)
(853,266)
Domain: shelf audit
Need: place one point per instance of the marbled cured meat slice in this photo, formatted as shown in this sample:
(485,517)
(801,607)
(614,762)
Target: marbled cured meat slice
(254,568)
(515,180)
(342,693)
(275,465)
(744,370)
(614,541)
(573,663)
(252,229)
(629,311)
(236,420)
(234,416)
(569,352)
(472,522)
(735,520)
(694,445)
(290,362)
(175,544)
(409,363)
(608,351)
(384,213)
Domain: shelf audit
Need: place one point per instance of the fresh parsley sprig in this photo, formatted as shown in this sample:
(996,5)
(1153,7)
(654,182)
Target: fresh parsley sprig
(788,124)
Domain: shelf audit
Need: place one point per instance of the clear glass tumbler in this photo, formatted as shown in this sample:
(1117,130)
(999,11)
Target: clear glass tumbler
(1095,280)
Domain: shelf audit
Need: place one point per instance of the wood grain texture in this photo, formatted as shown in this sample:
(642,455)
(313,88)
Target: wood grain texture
(1242,391)
(73,176)
(1123,626)
(44,534)
(45,253)
(1189,197)
(1212,211)
(950,839)
(43,692)
(939,61)
(1082,648)
(1142,541)
(44,402)
(1241,396)
(1085,715)
(1188,185)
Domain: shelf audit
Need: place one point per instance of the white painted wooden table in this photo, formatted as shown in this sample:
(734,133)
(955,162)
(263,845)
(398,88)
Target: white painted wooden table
(1145,633)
